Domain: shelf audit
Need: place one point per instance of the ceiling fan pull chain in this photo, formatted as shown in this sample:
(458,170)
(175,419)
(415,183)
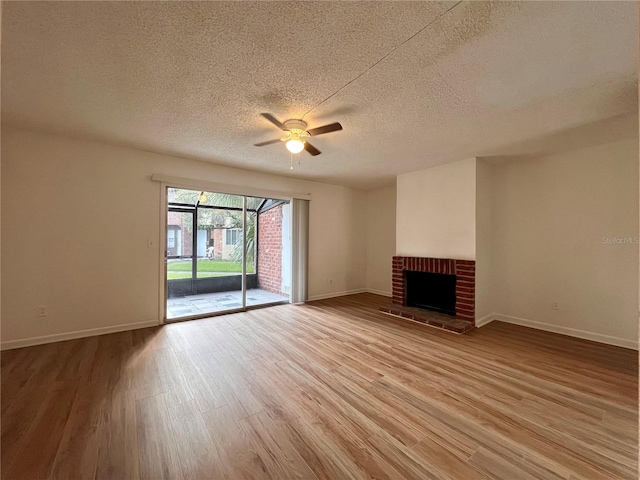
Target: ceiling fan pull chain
(291,160)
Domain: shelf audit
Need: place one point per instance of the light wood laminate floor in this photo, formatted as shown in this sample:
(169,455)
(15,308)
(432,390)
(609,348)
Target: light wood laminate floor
(332,389)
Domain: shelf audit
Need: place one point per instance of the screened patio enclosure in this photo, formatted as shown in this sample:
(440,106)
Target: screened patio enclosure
(225,252)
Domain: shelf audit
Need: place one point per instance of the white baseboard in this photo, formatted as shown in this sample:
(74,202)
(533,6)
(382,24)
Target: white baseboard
(481,322)
(572,332)
(335,294)
(378,292)
(59,337)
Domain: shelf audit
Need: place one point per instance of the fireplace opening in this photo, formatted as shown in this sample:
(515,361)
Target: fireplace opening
(432,291)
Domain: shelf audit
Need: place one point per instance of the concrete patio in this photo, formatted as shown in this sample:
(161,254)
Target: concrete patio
(191,305)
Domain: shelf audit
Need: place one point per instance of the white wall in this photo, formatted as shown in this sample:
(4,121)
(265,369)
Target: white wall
(381,238)
(549,218)
(484,240)
(77,216)
(535,227)
(436,212)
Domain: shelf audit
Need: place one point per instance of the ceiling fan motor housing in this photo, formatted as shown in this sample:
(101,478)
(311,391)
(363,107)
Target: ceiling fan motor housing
(296,125)
(297,130)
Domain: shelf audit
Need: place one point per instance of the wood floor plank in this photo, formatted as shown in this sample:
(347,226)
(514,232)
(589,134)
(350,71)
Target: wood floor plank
(38,448)
(404,459)
(157,446)
(197,453)
(238,454)
(444,461)
(497,467)
(77,454)
(471,429)
(18,417)
(331,389)
(316,450)
(118,449)
(279,456)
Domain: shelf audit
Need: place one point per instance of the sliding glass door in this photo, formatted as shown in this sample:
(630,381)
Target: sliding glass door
(269,250)
(214,260)
(180,252)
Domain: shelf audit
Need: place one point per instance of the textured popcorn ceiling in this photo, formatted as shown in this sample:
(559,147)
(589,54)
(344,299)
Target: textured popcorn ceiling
(430,82)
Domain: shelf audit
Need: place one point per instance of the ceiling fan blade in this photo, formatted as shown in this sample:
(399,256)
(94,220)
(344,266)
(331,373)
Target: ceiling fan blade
(268,142)
(311,149)
(332,127)
(273,120)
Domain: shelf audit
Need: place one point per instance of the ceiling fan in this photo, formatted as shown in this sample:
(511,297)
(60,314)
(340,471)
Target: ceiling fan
(297,133)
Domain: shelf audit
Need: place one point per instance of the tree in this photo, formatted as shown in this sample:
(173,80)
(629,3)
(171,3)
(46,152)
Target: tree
(251,241)
(211,218)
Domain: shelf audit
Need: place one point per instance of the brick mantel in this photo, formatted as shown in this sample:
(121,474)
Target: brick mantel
(465,271)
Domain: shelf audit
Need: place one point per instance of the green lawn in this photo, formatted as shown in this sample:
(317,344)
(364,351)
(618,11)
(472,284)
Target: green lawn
(180,269)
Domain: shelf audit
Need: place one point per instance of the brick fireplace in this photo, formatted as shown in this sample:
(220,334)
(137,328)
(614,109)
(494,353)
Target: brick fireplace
(465,271)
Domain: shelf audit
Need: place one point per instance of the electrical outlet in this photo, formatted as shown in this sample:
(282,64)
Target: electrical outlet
(41,311)
(556,305)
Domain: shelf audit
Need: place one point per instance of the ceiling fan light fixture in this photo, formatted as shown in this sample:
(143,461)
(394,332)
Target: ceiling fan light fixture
(295,145)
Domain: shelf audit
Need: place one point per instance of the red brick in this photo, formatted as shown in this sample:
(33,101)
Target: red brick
(465,295)
(467,275)
(465,289)
(465,301)
(465,262)
(460,307)
(465,306)
(270,250)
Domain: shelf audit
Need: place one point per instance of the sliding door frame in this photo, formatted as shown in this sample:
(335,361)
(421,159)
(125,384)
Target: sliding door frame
(167,182)
(194,245)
